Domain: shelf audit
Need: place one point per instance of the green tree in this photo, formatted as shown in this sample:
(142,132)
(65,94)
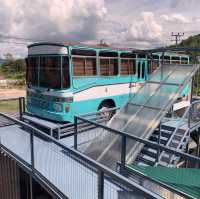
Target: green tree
(13,68)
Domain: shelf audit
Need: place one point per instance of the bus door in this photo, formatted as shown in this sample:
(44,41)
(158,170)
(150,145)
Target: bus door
(142,69)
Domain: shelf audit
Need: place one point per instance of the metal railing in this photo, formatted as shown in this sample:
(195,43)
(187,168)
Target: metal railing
(68,172)
(124,137)
(102,172)
(58,130)
(185,116)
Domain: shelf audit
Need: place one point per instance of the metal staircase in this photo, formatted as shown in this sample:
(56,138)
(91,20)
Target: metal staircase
(175,136)
(178,142)
(142,114)
(148,155)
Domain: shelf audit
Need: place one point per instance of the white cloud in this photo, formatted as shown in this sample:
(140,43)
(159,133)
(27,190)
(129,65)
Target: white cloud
(175,18)
(126,23)
(145,30)
(54,20)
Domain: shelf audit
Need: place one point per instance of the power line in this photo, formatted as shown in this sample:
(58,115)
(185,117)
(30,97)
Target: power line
(17,38)
(177,37)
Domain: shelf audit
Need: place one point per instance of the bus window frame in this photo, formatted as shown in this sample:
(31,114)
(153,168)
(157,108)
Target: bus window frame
(84,57)
(108,58)
(143,63)
(173,59)
(38,68)
(52,55)
(115,57)
(186,59)
(135,73)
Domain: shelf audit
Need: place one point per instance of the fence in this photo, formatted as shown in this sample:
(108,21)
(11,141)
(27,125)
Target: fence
(67,171)
(82,143)
(59,166)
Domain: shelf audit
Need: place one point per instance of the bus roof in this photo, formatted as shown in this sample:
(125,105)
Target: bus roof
(104,47)
(85,46)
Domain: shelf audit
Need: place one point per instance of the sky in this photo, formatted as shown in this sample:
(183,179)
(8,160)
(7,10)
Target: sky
(125,23)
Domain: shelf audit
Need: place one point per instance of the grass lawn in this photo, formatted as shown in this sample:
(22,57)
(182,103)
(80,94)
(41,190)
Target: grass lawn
(9,106)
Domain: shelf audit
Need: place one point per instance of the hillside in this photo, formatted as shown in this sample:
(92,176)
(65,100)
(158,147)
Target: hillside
(2,61)
(192,41)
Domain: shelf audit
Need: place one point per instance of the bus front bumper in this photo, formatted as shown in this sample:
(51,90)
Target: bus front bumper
(49,115)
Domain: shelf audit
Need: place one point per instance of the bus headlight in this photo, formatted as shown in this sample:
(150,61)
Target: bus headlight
(57,107)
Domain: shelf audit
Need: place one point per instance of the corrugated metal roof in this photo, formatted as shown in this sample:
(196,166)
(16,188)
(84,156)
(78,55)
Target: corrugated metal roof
(186,180)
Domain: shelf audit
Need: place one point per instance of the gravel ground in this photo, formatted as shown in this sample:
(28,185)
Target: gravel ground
(12,93)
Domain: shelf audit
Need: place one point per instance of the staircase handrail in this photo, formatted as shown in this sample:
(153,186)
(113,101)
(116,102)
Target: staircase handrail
(175,131)
(188,110)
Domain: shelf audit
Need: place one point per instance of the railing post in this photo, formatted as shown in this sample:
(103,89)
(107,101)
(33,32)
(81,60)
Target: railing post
(163,56)
(58,133)
(189,125)
(32,150)
(100,185)
(20,108)
(24,105)
(31,186)
(123,155)
(198,146)
(159,136)
(75,132)
(189,116)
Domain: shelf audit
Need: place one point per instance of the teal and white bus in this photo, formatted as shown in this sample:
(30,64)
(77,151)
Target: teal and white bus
(65,79)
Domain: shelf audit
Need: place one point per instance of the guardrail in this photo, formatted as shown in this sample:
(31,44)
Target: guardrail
(101,172)
(66,171)
(58,130)
(124,137)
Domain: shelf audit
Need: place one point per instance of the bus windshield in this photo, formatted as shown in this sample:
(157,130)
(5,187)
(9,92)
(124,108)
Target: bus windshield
(48,72)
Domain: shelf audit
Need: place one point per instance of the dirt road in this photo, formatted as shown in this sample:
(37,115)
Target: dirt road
(12,93)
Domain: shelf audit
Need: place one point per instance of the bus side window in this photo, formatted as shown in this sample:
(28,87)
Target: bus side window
(124,67)
(143,70)
(108,66)
(139,69)
(84,66)
(90,68)
(184,60)
(104,67)
(113,67)
(132,66)
(166,59)
(78,66)
(175,60)
(128,64)
(154,63)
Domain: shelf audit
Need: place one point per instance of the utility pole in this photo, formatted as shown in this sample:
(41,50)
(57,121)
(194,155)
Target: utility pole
(177,37)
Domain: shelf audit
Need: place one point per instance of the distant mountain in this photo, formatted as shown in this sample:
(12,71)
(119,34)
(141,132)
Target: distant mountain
(192,41)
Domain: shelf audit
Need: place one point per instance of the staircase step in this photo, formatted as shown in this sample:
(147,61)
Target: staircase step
(174,144)
(153,139)
(141,164)
(164,133)
(168,128)
(149,152)
(164,164)
(161,137)
(165,158)
(178,137)
(145,161)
